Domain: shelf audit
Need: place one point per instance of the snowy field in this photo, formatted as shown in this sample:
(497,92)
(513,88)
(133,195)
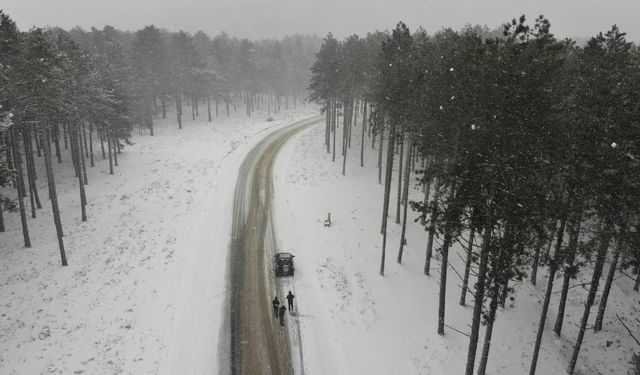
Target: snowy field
(355,322)
(145,285)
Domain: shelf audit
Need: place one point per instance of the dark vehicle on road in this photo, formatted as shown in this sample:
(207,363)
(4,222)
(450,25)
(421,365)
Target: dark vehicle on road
(283,264)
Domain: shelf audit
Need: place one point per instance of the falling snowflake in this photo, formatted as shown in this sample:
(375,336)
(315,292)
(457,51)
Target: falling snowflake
(614,145)
(441,108)
(451,69)
(473,126)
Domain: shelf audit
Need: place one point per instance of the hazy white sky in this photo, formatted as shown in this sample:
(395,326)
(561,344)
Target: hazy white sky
(274,18)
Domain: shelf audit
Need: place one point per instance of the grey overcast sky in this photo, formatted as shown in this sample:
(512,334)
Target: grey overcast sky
(258,19)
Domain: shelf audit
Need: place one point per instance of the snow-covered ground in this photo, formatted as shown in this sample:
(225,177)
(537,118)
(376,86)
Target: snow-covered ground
(355,322)
(145,284)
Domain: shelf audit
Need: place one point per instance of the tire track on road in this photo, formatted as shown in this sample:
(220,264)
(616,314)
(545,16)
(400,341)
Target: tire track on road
(257,344)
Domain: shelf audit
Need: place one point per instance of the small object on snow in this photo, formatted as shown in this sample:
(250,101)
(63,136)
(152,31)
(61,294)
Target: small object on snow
(281,312)
(327,222)
(276,306)
(290,298)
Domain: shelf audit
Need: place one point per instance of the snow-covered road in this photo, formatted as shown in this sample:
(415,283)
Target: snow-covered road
(258,344)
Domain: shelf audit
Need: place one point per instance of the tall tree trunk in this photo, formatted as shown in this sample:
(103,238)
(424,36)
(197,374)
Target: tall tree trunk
(380,146)
(30,182)
(84,141)
(108,136)
(479,295)
(64,132)
(570,258)
(387,191)
(327,128)
(345,135)
(536,257)
(56,140)
(114,146)
(432,227)
(425,202)
(20,185)
(102,135)
(405,198)
(54,195)
(149,116)
(179,110)
(553,266)
(82,150)
(38,144)
(209,107)
(373,135)
(216,107)
(353,111)
(597,272)
(2,228)
(164,108)
(364,126)
(467,264)
(74,157)
(9,156)
(17,159)
(31,172)
(335,130)
(444,264)
(400,161)
(607,285)
(91,143)
(76,148)
(493,307)
(553,226)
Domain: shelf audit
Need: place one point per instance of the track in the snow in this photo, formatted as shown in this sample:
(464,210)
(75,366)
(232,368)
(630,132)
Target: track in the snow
(257,343)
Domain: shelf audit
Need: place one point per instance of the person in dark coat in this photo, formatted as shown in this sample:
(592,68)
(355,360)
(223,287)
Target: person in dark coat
(276,304)
(281,314)
(290,298)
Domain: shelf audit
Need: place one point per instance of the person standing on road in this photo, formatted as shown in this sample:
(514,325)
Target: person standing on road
(276,304)
(290,298)
(281,314)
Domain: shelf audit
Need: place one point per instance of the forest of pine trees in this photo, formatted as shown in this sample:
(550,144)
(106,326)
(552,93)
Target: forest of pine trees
(66,96)
(526,147)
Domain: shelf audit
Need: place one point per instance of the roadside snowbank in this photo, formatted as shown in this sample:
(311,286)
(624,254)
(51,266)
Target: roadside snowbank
(145,284)
(355,322)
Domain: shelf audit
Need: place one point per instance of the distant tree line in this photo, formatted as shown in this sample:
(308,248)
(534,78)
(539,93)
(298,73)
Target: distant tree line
(527,149)
(66,95)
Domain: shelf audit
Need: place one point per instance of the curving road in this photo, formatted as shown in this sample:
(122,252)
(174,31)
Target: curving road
(256,342)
